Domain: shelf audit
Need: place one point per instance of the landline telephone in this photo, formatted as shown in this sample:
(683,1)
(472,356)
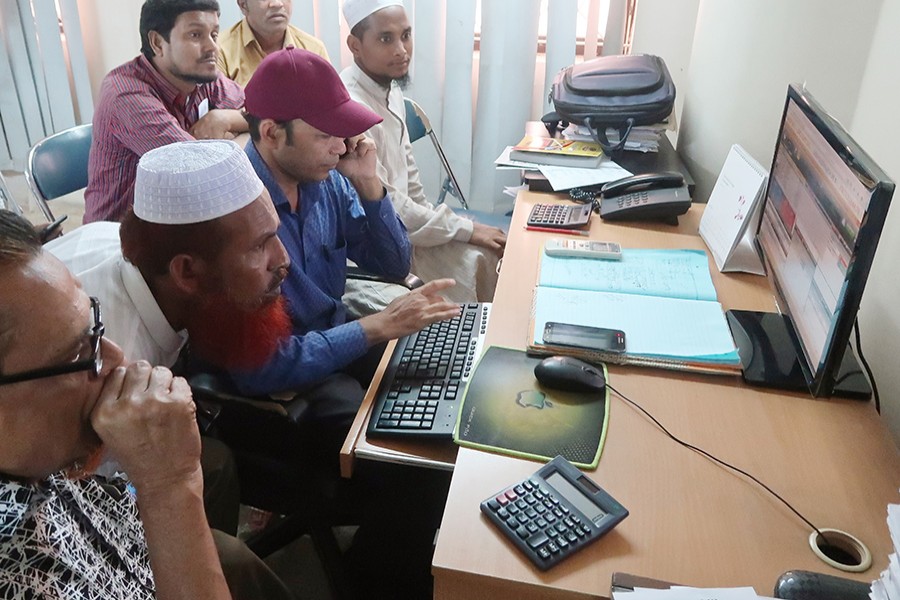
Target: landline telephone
(651,196)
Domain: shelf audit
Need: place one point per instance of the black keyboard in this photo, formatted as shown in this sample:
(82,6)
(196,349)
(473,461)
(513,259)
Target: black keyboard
(424,383)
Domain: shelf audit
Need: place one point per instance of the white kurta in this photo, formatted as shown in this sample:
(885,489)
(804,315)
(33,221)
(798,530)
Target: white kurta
(439,236)
(130,313)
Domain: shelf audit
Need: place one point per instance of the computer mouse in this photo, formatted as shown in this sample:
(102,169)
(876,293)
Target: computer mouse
(569,374)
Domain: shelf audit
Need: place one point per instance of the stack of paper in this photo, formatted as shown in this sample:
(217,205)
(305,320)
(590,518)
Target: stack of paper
(641,139)
(688,593)
(888,586)
(566,178)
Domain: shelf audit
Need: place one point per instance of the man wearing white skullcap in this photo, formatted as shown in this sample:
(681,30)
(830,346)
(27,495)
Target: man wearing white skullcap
(200,213)
(445,244)
(357,10)
(202,248)
(193,202)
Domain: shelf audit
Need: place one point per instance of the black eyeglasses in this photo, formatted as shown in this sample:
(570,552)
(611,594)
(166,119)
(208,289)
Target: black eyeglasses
(93,363)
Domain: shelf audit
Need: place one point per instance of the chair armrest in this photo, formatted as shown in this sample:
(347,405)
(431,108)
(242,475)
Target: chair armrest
(209,388)
(808,585)
(410,282)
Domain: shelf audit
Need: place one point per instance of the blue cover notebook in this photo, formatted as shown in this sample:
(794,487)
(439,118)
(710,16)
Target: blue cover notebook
(664,301)
(506,410)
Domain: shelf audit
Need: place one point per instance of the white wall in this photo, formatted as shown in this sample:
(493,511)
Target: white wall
(667,30)
(875,126)
(743,55)
(111,36)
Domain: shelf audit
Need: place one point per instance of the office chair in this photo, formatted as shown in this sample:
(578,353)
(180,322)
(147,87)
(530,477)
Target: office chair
(410,282)
(808,585)
(58,165)
(261,432)
(418,125)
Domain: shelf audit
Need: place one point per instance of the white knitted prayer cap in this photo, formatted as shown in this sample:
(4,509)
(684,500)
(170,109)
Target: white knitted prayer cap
(192,182)
(357,10)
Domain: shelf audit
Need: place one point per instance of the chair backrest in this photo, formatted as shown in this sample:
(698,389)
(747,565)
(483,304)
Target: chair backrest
(418,126)
(417,123)
(58,165)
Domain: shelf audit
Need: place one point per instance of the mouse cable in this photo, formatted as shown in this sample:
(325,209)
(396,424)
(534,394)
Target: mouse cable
(714,459)
(865,365)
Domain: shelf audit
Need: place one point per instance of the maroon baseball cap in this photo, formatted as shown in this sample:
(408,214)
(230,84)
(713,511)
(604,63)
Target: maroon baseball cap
(297,84)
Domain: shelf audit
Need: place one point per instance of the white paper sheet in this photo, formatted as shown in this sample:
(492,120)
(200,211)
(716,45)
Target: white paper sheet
(566,178)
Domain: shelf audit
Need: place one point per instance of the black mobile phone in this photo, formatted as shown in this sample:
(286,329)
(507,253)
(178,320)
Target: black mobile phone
(582,336)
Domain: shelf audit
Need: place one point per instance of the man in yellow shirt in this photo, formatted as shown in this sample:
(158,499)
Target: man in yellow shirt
(264,29)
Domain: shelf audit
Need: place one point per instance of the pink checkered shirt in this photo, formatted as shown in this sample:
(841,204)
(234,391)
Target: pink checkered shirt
(138,111)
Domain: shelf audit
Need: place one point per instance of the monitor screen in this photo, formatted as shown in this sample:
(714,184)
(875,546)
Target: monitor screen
(823,215)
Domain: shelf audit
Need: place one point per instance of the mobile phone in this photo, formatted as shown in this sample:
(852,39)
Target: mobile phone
(582,336)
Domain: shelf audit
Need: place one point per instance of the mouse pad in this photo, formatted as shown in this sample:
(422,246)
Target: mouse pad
(506,410)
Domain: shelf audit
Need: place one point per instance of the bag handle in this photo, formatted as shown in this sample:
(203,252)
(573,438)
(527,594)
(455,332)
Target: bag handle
(553,122)
(599,135)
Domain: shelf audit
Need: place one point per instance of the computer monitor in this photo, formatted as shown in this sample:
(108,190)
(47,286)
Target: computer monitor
(824,211)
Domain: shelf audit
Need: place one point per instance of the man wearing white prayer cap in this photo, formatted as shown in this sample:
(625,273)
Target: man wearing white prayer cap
(445,244)
(198,256)
(202,223)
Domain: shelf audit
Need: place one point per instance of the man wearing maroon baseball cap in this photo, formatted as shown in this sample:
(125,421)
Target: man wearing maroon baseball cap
(333,207)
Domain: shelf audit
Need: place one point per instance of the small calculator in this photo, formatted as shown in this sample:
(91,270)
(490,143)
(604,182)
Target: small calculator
(559,216)
(554,513)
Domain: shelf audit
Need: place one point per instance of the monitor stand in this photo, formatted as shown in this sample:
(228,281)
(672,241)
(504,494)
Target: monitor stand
(767,345)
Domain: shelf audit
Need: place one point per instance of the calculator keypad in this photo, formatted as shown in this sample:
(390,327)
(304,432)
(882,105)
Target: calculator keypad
(559,216)
(550,214)
(546,524)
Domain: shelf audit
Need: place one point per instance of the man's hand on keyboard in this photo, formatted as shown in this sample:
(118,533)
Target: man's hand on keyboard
(410,313)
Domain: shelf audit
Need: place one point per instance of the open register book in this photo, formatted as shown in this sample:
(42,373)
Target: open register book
(664,301)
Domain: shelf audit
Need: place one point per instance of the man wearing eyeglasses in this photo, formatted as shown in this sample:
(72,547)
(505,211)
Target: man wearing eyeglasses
(211,189)
(65,393)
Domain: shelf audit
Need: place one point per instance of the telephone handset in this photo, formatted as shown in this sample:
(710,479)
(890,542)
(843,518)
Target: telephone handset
(651,196)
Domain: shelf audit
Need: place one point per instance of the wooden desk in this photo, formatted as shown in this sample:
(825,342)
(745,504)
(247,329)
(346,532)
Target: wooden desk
(691,520)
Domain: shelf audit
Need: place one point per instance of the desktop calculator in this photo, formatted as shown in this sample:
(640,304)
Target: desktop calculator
(559,216)
(554,513)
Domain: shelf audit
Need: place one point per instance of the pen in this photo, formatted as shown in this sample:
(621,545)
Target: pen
(564,231)
(50,231)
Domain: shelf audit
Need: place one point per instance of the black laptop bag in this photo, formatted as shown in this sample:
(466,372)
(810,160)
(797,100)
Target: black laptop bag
(618,91)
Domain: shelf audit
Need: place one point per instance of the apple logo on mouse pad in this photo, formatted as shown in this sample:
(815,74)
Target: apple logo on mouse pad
(533,399)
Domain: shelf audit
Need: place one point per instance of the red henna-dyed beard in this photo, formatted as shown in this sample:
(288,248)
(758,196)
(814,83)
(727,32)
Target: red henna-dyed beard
(233,337)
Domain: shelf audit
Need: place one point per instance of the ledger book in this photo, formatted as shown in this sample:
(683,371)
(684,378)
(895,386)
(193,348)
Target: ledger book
(664,301)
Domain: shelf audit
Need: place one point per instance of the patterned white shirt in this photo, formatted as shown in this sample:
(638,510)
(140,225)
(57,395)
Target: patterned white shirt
(65,539)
